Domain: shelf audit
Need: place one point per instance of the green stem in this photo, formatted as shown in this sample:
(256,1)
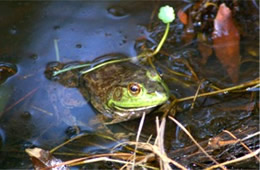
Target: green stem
(115,61)
(105,63)
(162,40)
(55,73)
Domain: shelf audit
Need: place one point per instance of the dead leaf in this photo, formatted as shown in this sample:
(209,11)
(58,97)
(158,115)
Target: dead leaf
(188,32)
(226,40)
(183,17)
(42,159)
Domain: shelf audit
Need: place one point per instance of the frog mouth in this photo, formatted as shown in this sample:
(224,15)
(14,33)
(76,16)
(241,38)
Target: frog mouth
(132,109)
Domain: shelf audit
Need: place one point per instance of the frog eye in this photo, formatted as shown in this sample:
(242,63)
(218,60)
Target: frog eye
(134,88)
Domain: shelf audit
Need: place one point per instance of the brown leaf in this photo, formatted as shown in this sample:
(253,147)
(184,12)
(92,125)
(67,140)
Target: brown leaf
(183,17)
(42,159)
(188,33)
(226,40)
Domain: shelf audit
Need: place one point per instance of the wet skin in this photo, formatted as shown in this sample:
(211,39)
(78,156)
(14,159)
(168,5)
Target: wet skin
(120,91)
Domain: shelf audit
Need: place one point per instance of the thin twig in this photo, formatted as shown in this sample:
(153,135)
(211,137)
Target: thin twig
(160,141)
(196,95)
(191,137)
(79,136)
(249,150)
(251,135)
(137,138)
(226,90)
(106,159)
(156,150)
(20,100)
(66,142)
(235,160)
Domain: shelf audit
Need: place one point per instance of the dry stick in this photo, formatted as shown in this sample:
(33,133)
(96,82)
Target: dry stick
(191,69)
(251,83)
(137,138)
(249,150)
(157,140)
(235,160)
(251,135)
(196,95)
(66,142)
(160,141)
(184,129)
(93,158)
(20,100)
(77,137)
(155,150)
(110,160)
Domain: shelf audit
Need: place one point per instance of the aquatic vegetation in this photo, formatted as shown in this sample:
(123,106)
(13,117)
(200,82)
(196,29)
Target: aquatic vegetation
(166,14)
(226,42)
(204,99)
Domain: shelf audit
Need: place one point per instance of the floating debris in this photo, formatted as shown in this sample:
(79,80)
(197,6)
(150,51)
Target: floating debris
(7,70)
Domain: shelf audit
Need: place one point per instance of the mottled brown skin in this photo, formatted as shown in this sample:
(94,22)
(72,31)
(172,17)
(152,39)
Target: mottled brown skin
(105,82)
(107,88)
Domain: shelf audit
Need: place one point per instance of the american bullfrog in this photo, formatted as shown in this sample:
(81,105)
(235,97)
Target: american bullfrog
(120,91)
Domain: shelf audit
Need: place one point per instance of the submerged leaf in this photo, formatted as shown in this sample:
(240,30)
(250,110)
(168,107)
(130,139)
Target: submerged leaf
(42,159)
(183,17)
(226,42)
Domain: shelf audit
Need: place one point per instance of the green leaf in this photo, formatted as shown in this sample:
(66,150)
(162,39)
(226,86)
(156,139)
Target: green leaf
(166,14)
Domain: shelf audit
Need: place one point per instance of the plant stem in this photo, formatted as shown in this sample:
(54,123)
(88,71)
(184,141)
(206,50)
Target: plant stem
(105,63)
(114,61)
(226,90)
(162,40)
(55,73)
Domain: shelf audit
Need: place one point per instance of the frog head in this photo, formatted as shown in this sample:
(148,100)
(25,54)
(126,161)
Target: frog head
(137,94)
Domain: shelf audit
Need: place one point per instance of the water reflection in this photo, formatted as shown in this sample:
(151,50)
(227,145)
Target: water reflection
(35,111)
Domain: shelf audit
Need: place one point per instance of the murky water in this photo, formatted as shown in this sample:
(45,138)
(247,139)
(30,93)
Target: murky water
(35,111)
(84,31)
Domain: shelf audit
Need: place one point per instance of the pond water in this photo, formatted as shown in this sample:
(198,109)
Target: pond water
(35,111)
(84,31)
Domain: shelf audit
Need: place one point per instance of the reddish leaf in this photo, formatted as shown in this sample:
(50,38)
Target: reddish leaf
(226,42)
(183,17)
